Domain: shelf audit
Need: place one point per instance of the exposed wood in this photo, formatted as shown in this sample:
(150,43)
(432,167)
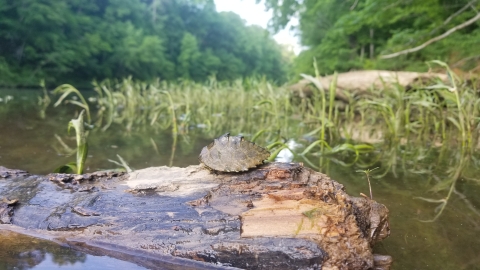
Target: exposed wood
(361,82)
(279,216)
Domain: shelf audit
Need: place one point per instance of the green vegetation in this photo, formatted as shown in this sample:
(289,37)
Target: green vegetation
(78,124)
(367,174)
(171,75)
(82,147)
(435,115)
(354,34)
(178,66)
(405,128)
(78,41)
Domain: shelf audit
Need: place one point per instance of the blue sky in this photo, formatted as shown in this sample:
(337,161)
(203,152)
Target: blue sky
(256,14)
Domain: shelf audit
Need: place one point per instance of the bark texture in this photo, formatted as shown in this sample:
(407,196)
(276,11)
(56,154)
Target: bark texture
(278,216)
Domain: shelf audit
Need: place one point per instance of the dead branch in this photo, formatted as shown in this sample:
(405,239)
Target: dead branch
(442,36)
(460,11)
(356,2)
(463,60)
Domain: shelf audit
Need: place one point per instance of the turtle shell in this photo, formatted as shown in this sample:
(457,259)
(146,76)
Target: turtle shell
(232,154)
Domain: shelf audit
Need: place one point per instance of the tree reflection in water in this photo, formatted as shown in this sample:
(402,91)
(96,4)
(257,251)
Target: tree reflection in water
(21,252)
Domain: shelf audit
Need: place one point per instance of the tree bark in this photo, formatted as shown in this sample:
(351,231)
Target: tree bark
(278,216)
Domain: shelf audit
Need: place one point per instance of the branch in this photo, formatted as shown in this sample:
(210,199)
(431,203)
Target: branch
(455,14)
(356,2)
(436,29)
(442,36)
(462,61)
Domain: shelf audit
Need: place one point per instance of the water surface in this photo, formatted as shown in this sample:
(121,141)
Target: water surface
(32,143)
(23,252)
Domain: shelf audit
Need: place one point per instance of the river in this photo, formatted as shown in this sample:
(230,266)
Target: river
(411,188)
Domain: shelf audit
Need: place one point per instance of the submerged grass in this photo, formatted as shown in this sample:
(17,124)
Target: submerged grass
(256,109)
(430,130)
(431,114)
(394,124)
(82,147)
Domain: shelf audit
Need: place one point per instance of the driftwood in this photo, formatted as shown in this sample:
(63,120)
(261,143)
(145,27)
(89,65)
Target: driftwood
(360,82)
(279,216)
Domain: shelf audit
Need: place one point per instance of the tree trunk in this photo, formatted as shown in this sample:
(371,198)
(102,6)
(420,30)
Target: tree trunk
(372,46)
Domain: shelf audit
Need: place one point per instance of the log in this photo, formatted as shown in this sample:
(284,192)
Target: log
(278,216)
(360,82)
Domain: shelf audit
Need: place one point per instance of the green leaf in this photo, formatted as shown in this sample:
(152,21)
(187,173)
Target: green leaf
(67,168)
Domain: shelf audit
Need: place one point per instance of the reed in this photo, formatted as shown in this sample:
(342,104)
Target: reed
(66,90)
(385,120)
(82,147)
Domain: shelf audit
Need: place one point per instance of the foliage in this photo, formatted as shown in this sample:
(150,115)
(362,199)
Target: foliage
(433,115)
(240,106)
(352,34)
(80,40)
(82,147)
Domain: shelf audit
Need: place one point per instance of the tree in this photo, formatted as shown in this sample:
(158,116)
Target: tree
(80,40)
(344,35)
(189,57)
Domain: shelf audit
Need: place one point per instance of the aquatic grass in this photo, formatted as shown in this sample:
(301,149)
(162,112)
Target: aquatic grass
(123,164)
(67,89)
(154,145)
(392,117)
(171,107)
(44,100)
(367,173)
(404,128)
(453,175)
(276,147)
(462,105)
(258,134)
(229,107)
(81,138)
(82,147)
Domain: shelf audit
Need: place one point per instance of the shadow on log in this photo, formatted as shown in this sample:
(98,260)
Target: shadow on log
(278,216)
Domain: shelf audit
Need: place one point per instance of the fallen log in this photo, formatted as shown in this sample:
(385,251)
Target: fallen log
(278,216)
(360,82)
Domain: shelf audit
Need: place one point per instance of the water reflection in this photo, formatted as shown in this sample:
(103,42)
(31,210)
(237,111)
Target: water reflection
(286,155)
(451,241)
(39,145)
(21,252)
(417,183)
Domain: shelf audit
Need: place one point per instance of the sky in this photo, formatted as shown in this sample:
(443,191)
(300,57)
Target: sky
(255,14)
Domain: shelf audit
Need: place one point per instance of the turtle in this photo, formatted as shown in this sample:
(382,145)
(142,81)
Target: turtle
(232,154)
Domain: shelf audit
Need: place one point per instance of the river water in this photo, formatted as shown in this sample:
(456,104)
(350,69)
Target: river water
(36,144)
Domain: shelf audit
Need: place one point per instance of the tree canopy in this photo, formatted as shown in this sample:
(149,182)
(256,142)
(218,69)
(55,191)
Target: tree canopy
(366,34)
(76,41)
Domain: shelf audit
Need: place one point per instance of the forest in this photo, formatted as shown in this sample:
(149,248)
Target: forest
(83,40)
(121,85)
(382,34)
